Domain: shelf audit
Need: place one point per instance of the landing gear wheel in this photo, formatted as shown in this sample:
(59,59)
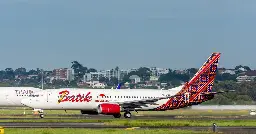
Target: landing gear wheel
(127,115)
(117,115)
(41,115)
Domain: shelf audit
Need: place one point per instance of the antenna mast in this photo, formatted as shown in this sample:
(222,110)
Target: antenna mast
(42,79)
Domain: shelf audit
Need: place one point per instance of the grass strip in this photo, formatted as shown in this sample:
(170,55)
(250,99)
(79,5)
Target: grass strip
(169,123)
(99,131)
(152,123)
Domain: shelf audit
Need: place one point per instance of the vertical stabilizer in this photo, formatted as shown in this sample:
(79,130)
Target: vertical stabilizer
(202,82)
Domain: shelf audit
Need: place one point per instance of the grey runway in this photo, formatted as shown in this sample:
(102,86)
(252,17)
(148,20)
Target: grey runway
(102,126)
(51,125)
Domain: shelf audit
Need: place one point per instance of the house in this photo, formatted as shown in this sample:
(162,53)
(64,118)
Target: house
(134,79)
(99,85)
(229,71)
(154,78)
(96,84)
(246,76)
(126,84)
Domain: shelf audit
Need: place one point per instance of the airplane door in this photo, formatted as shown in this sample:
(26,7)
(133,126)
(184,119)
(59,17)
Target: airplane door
(9,101)
(49,96)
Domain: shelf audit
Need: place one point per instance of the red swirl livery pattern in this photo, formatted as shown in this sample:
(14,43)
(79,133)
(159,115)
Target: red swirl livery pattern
(191,91)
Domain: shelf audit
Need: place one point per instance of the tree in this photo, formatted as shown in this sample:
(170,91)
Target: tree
(226,77)
(20,71)
(103,79)
(79,70)
(237,67)
(91,70)
(144,73)
(32,72)
(173,76)
(117,68)
(126,78)
(2,75)
(247,68)
(192,71)
(113,81)
(9,74)
(73,83)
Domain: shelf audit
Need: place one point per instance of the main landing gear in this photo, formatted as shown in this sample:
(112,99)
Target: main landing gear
(127,114)
(117,115)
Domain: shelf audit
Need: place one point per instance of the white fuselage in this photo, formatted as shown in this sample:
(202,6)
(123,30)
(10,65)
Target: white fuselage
(12,96)
(89,99)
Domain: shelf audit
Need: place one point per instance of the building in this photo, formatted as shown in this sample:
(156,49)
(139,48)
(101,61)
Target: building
(119,74)
(134,79)
(63,74)
(92,76)
(158,71)
(229,71)
(247,76)
(95,84)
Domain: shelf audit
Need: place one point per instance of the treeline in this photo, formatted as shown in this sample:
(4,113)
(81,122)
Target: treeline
(245,93)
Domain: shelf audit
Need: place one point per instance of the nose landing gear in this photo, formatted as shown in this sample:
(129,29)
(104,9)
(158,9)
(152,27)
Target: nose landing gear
(41,113)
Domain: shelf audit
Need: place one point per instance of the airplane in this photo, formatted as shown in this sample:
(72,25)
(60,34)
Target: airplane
(113,102)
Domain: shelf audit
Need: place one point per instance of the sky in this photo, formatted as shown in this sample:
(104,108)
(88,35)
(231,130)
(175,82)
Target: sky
(104,34)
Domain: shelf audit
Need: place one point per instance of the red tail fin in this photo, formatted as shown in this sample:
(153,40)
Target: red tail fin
(201,82)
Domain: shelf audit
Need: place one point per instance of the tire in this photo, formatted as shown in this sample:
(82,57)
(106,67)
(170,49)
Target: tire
(127,115)
(117,115)
(41,115)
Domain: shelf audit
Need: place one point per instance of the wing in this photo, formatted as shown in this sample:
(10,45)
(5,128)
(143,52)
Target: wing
(152,101)
(139,103)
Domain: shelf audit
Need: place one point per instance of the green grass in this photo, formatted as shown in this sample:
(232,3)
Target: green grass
(151,123)
(166,123)
(189,112)
(99,131)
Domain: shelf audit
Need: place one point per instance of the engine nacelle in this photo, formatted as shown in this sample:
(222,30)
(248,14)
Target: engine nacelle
(89,112)
(109,109)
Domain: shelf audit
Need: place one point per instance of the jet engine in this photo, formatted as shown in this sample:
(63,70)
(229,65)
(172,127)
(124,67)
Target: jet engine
(109,109)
